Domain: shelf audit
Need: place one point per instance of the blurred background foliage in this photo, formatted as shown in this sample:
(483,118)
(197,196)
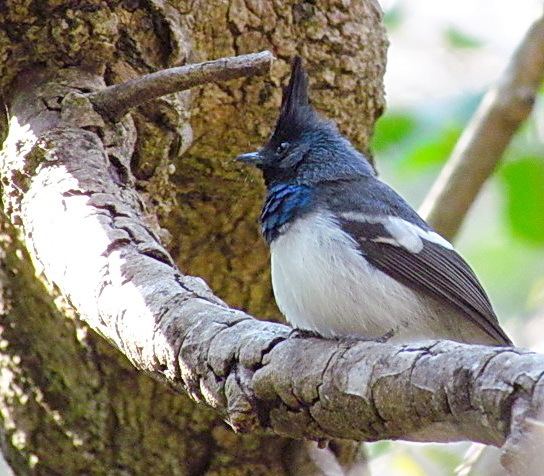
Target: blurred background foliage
(443,57)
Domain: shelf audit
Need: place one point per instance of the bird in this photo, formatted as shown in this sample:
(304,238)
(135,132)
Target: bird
(350,258)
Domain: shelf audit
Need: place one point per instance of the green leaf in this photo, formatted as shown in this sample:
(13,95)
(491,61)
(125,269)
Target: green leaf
(524,183)
(433,152)
(391,129)
(461,40)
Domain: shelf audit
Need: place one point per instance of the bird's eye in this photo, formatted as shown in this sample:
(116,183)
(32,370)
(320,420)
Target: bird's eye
(282,147)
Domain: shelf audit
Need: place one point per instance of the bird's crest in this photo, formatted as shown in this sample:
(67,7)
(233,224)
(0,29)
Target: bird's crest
(296,114)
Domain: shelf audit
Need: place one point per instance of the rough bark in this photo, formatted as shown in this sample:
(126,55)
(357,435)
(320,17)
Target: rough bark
(122,421)
(71,404)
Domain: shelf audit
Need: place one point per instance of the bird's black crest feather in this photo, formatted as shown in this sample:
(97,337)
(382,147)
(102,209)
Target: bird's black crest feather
(295,95)
(296,112)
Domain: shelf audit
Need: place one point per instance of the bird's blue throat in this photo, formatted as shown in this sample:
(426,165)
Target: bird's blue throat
(284,202)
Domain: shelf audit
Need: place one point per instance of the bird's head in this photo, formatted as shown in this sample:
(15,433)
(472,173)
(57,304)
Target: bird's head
(304,146)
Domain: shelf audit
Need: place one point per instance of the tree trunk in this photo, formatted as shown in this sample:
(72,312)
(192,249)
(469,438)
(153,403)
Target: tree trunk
(70,403)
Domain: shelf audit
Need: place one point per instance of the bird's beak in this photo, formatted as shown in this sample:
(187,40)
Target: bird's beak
(251,158)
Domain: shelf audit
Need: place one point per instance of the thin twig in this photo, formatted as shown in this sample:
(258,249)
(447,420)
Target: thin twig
(115,101)
(501,112)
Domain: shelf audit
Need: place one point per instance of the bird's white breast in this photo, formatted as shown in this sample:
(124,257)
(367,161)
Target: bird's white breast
(322,282)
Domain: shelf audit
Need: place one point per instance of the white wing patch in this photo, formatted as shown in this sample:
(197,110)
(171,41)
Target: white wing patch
(403,233)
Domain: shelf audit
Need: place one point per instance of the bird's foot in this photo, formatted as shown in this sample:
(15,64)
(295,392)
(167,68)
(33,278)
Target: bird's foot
(303,333)
(380,339)
(306,333)
(383,339)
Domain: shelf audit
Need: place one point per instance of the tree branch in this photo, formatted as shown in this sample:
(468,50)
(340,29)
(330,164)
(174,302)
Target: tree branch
(68,186)
(115,101)
(501,112)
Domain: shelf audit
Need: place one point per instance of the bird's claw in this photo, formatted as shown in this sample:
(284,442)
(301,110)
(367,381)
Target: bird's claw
(303,333)
(380,339)
(306,333)
(383,339)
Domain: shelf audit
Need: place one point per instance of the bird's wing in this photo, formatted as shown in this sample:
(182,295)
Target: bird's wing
(420,258)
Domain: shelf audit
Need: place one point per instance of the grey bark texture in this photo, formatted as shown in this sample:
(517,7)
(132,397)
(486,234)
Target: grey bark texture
(70,402)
